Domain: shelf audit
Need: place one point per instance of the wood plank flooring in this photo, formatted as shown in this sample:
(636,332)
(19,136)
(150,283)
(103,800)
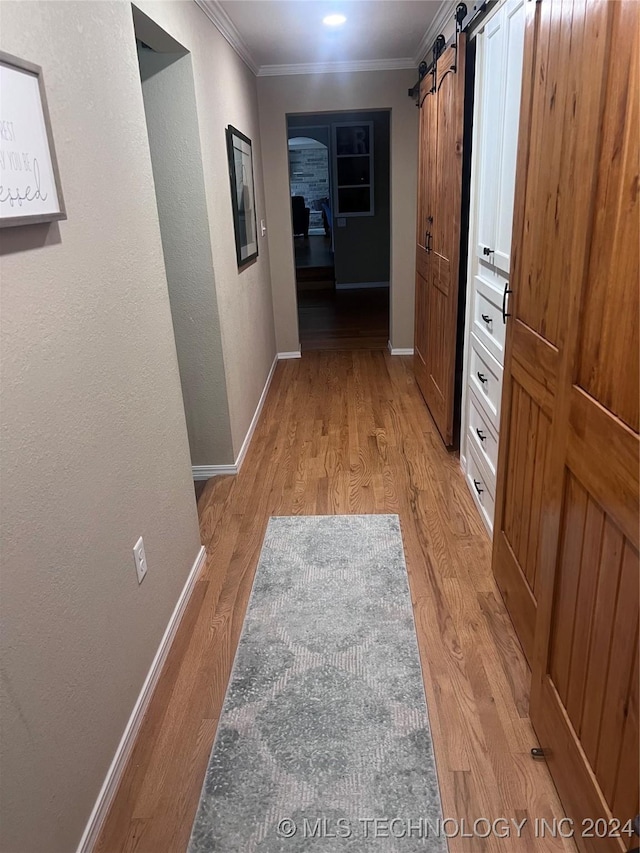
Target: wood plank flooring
(348,432)
(332,319)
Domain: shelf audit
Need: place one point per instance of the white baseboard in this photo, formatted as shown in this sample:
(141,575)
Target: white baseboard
(360,285)
(294,354)
(399,351)
(256,416)
(125,747)
(205,472)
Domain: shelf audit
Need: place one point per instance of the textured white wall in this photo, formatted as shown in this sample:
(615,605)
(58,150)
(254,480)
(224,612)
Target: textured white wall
(94,444)
(315,93)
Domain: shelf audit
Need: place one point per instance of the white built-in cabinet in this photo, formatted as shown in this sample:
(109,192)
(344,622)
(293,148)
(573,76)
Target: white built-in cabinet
(496,118)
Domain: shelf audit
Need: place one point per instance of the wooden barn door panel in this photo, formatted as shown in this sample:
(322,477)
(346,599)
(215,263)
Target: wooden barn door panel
(426,204)
(449,103)
(585,687)
(566,545)
(438,263)
(515,551)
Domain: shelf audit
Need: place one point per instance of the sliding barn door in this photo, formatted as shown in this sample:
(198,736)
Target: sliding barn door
(426,204)
(569,509)
(439,214)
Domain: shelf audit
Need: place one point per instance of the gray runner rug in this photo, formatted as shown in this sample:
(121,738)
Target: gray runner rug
(323,742)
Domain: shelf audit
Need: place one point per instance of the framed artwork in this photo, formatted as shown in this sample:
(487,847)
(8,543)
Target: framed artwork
(243,198)
(30,189)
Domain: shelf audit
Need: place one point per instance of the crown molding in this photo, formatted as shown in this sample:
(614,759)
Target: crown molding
(223,23)
(348,66)
(219,18)
(445,12)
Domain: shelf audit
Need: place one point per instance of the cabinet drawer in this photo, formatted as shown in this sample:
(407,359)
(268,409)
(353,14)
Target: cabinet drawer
(482,436)
(485,377)
(479,483)
(488,324)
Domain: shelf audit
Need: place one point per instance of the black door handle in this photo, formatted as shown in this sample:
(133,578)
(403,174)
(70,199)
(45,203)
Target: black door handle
(487,318)
(504,302)
(481,377)
(481,435)
(477,484)
(487,251)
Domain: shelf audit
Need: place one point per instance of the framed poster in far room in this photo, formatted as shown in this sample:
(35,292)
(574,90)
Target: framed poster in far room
(243,197)
(30,189)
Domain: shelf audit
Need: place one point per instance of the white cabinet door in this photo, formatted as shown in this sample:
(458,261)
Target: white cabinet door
(513,19)
(490,136)
(496,120)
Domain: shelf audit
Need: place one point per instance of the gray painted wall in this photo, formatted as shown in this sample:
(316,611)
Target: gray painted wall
(176,157)
(363,246)
(94,447)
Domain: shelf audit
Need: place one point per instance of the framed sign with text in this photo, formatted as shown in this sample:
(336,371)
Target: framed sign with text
(30,190)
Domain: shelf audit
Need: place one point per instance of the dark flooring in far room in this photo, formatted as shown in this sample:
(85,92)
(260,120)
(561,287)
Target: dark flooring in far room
(331,319)
(314,251)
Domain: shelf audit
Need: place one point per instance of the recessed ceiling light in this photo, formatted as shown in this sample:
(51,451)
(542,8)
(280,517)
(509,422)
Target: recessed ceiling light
(334,20)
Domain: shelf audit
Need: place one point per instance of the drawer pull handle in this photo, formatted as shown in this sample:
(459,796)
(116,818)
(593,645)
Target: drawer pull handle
(487,251)
(482,377)
(477,484)
(504,302)
(488,320)
(481,435)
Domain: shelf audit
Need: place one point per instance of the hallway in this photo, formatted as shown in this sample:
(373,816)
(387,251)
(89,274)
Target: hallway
(348,432)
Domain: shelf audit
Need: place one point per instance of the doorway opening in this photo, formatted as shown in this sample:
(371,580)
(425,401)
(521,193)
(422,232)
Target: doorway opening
(339,177)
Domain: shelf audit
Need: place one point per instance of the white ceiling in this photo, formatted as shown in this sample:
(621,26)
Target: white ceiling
(285,36)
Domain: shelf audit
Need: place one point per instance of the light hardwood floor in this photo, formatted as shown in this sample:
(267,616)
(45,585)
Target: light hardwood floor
(348,432)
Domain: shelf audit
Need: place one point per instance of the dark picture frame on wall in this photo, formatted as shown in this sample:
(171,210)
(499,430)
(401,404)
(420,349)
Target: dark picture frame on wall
(30,187)
(243,197)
